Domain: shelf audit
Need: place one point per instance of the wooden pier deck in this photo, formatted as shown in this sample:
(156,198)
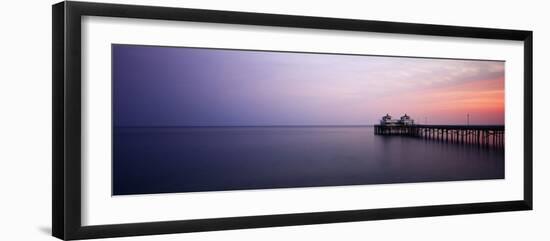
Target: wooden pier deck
(483,135)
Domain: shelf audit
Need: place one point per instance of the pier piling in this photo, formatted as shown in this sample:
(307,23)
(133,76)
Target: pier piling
(487,136)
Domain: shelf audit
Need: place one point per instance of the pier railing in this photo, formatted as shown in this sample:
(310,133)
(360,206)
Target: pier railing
(483,135)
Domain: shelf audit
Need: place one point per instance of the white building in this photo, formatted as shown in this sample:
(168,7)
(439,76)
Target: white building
(406,120)
(388,121)
(403,121)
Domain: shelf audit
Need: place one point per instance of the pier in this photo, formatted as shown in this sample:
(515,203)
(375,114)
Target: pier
(483,135)
(462,134)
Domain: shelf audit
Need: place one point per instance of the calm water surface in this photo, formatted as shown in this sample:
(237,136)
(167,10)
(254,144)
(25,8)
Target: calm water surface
(161,160)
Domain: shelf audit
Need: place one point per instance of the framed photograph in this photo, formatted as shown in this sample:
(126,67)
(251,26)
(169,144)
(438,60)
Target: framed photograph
(169,120)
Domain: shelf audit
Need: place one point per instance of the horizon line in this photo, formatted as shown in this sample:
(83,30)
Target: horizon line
(257,126)
(197,126)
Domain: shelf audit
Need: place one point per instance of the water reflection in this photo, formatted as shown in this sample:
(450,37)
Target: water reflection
(159,160)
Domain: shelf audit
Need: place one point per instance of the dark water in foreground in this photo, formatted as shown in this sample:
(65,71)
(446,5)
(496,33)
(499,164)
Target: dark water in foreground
(161,160)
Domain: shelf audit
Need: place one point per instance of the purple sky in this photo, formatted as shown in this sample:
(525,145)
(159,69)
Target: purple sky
(158,86)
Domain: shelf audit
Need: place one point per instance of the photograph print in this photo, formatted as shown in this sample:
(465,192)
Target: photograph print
(189,119)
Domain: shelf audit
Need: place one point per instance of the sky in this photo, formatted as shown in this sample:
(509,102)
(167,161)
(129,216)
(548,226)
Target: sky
(177,86)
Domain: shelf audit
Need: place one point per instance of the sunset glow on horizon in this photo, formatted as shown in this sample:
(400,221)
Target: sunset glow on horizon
(156,86)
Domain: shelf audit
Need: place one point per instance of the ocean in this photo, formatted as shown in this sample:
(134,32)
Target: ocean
(149,160)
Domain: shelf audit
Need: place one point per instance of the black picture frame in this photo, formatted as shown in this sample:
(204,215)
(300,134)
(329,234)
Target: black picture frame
(66,167)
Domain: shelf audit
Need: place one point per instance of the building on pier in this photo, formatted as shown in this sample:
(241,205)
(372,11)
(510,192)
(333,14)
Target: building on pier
(406,120)
(403,121)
